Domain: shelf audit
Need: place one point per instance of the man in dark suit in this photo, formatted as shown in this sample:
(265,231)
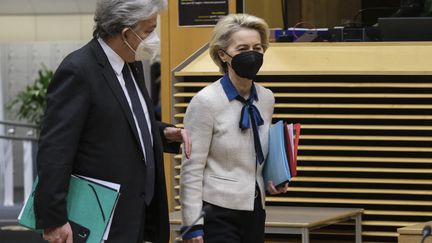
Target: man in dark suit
(100,123)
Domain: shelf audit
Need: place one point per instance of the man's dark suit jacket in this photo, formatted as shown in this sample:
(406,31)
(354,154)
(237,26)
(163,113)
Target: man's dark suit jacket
(89,130)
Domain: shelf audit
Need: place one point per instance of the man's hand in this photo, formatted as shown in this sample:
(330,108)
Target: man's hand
(60,234)
(276,190)
(175,134)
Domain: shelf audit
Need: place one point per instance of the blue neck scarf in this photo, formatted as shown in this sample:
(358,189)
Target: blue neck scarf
(248,113)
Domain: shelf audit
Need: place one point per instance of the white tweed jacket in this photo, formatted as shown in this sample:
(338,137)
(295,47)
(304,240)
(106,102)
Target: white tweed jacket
(222,168)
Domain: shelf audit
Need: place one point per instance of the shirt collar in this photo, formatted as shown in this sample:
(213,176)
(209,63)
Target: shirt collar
(231,92)
(114,59)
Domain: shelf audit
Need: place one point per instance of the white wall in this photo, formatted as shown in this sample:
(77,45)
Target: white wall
(1,98)
(25,28)
(28,40)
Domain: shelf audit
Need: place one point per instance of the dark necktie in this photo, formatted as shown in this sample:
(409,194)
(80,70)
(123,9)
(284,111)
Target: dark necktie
(249,110)
(145,134)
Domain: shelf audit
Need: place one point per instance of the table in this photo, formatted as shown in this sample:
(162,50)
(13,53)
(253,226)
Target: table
(299,220)
(413,233)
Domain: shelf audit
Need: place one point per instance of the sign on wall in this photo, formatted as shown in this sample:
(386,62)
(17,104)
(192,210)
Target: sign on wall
(201,12)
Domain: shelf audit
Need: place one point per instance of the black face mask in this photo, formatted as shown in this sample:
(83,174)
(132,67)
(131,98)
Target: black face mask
(247,64)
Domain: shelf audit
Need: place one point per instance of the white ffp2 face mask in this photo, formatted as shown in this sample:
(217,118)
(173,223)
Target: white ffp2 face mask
(147,48)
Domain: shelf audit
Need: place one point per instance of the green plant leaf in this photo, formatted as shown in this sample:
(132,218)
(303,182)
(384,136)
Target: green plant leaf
(31,102)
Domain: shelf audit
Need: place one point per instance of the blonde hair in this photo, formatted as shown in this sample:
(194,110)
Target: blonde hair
(222,32)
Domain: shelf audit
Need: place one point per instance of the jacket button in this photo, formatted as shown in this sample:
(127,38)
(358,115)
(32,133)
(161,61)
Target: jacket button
(142,195)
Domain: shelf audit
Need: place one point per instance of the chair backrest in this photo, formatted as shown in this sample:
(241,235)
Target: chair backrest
(406,28)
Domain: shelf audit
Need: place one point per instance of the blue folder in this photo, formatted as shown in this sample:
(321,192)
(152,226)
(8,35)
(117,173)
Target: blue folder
(276,168)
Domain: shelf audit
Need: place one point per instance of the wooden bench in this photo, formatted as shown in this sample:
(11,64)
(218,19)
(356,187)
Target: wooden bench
(298,220)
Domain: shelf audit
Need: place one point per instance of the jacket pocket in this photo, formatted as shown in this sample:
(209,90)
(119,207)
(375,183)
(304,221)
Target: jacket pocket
(223,178)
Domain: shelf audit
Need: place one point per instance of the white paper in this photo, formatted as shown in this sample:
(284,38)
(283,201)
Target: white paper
(111,185)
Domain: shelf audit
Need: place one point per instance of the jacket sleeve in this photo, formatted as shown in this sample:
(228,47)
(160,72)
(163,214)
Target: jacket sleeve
(199,123)
(68,103)
(168,147)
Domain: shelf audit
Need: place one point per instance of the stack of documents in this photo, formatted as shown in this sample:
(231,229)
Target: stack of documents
(90,203)
(281,163)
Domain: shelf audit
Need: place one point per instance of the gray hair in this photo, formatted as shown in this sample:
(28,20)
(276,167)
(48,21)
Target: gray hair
(112,16)
(224,29)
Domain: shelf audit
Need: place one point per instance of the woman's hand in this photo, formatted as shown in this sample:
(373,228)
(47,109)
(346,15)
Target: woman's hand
(276,190)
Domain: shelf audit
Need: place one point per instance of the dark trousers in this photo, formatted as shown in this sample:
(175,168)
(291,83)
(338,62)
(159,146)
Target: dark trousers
(234,226)
(142,226)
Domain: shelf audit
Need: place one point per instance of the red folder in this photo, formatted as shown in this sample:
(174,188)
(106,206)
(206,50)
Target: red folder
(292,135)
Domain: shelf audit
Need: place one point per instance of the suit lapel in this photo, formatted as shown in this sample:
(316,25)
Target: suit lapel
(114,84)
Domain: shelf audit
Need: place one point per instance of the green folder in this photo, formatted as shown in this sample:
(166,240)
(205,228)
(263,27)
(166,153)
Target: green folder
(89,204)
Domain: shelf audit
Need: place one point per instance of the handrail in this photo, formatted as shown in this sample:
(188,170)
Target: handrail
(26,135)
(31,134)
(18,124)
(18,138)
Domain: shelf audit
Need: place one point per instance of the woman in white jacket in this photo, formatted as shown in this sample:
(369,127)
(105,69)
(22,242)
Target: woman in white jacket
(228,123)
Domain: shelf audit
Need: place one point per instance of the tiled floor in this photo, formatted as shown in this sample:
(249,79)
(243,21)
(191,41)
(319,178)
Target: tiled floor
(13,234)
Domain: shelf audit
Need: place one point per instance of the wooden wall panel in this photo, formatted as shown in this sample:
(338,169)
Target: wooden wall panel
(321,13)
(271,11)
(329,13)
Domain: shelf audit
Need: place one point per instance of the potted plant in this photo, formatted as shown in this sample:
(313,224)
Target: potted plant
(31,102)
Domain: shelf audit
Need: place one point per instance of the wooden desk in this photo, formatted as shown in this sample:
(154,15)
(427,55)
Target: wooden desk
(329,58)
(413,233)
(298,220)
